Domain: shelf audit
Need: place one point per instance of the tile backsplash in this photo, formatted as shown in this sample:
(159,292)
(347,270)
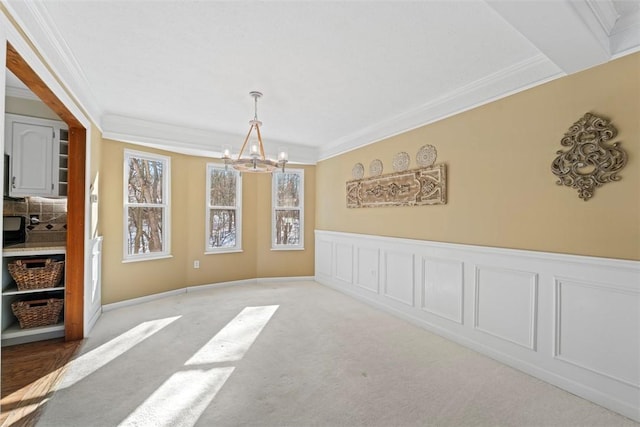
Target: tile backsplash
(46,218)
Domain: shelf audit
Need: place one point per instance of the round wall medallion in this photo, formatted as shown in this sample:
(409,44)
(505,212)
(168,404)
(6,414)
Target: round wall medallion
(375,168)
(426,156)
(401,162)
(358,171)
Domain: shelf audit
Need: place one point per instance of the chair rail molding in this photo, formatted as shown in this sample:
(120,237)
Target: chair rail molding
(572,321)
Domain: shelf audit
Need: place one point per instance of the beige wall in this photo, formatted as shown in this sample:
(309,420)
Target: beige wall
(501,191)
(128,280)
(29,107)
(290,263)
(123,281)
(216,268)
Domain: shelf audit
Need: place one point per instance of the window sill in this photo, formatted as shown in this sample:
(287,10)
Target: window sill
(146,258)
(222,251)
(292,248)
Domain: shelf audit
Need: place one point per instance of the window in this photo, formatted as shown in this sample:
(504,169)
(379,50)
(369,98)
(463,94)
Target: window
(146,205)
(224,209)
(287,218)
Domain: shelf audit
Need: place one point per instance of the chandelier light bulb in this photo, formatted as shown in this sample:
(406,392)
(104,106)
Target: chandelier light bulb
(254,148)
(226,151)
(283,155)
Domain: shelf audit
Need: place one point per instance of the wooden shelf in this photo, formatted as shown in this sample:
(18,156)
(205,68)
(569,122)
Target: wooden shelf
(12,333)
(12,289)
(35,249)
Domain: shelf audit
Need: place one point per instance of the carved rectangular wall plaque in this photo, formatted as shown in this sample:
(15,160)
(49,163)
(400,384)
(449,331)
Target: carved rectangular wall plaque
(415,187)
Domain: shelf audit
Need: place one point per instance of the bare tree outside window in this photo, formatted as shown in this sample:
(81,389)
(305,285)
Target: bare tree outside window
(223,208)
(288,196)
(287,227)
(145,204)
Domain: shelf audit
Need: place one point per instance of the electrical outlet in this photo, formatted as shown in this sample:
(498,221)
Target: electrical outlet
(196,264)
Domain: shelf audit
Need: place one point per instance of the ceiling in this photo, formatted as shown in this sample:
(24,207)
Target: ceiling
(335,75)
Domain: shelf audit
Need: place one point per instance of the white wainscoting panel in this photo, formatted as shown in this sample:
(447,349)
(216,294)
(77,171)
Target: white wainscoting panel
(596,329)
(443,288)
(515,321)
(344,262)
(368,260)
(572,321)
(324,255)
(399,273)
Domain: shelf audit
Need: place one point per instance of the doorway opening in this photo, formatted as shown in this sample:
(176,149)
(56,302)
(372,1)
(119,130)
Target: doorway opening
(74,288)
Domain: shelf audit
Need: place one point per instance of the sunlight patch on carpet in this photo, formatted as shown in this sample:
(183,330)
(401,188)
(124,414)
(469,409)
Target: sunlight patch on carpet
(95,359)
(184,396)
(181,399)
(234,340)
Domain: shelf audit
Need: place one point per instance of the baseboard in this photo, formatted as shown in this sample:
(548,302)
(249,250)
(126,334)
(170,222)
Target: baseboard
(198,288)
(140,300)
(259,280)
(537,312)
(286,279)
(92,321)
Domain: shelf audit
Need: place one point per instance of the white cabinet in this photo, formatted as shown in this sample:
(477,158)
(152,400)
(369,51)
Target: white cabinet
(37,148)
(12,333)
(31,160)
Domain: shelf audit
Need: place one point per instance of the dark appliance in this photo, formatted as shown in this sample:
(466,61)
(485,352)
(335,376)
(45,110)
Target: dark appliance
(14,230)
(7,176)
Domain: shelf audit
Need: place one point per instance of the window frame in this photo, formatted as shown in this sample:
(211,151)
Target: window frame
(166,206)
(208,206)
(289,247)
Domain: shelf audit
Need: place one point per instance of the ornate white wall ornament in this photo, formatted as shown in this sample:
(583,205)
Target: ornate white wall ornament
(375,168)
(426,156)
(589,162)
(358,171)
(401,162)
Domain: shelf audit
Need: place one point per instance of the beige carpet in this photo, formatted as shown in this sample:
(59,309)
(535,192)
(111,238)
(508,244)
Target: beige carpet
(300,355)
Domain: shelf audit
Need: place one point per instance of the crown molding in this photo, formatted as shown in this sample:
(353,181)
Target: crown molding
(186,140)
(623,32)
(567,32)
(12,34)
(620,34)
(605,13)
(599,18)
(518,77)
(625,38)
(41,30)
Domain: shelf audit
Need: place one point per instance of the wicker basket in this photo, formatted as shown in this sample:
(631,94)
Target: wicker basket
(40,312)
(36,273)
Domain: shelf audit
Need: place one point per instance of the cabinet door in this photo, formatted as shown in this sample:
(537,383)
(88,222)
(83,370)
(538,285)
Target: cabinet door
(31,160)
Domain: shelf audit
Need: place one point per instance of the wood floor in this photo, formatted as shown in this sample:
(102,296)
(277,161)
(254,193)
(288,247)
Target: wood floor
(29,372)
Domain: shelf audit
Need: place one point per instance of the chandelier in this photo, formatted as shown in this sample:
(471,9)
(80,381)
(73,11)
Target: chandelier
(254,159)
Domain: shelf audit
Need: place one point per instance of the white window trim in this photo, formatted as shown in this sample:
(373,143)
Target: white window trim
(166,217)
(150,258)
(208,250)
(299,246)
